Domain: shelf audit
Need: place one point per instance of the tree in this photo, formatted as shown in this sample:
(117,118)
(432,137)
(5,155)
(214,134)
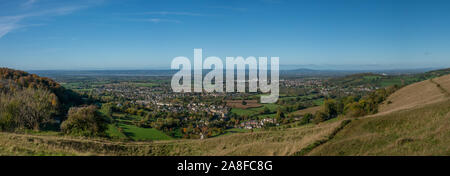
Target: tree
(320,117)
(107,109)
(355,109)
(330,108)
(306,119)
(280,115)
(140,112)
(266,110)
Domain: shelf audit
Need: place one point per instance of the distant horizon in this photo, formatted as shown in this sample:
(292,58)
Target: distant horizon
(282,68)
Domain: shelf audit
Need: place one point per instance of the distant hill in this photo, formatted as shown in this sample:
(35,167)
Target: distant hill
(384,80)
(299,72)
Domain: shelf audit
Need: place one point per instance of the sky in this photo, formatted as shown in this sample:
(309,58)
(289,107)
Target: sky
(148,34)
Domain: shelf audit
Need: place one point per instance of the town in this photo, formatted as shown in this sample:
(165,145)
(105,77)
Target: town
(136,102)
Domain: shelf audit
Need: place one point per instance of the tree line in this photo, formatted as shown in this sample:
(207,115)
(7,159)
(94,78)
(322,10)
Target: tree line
(351,106)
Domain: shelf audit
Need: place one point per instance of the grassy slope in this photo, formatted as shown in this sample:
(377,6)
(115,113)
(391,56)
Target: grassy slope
(282,142)
(417,122)
(420,131)
(417,94)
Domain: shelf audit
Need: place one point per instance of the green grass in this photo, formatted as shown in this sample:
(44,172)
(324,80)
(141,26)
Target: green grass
(372,77)
(242,112)
(318,102)
(113,132)
(142,134)
(42,133)
(267,116)
(254,111)
(127,118)
(133,132)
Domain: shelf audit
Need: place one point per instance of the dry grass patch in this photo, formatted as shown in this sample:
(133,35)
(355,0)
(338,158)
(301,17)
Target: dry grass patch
(311,110)
(416,95)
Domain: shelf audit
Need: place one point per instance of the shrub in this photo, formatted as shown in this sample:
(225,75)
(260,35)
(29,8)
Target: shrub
(84,121)
(330,108)
(320,117)
(306,119)
(107,109)
(27,109)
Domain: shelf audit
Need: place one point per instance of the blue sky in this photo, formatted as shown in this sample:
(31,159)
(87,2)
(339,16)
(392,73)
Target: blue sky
(145,34)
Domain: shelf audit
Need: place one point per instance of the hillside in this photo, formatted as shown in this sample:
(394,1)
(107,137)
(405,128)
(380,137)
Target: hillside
(417,122)
(381,80)
(420,131)
(279,142)
(28,101)
(15,79)
(418,94)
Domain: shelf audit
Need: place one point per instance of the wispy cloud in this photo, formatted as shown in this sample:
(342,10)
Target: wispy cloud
(14,22)
(166,13)
(10,23)
(163,16)
(28,4)
(159,20)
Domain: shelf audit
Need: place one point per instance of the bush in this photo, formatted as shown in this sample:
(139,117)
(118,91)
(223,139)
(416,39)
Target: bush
(107,109)
(84,121)
(27,109)
(330,108)
(320,117)
(306,119)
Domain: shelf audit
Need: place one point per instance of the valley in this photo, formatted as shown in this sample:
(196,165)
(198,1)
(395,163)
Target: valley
(410,120)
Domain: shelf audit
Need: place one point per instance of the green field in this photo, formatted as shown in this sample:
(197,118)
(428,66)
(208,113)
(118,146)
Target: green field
(318,102)
(113,132)
(143,134)
(133,132)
